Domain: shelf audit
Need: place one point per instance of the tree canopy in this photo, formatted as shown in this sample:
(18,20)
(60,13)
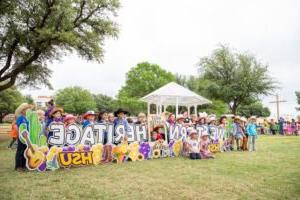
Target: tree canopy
(34,32)
(10,99)
(143,79)
(298,99)
(75,100)
(256,109)
(104,103)
(235,78)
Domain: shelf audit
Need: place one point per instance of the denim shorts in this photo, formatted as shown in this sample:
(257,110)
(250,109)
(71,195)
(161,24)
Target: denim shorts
(238,136)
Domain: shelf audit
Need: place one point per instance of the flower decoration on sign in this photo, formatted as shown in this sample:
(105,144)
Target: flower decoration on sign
(145,149)
(177,147)
(140,157)
(156,153)
(97,150)
(133,151)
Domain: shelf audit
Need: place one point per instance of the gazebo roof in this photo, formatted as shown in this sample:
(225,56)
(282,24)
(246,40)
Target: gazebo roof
(172,94)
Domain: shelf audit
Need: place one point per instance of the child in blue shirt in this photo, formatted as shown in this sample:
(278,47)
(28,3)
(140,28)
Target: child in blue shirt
(89,119)
(251,130)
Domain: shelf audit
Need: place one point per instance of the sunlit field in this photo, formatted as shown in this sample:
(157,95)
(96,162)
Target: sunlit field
(273,172)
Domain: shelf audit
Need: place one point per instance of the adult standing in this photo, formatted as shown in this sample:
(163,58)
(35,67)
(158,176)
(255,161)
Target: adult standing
(23,123)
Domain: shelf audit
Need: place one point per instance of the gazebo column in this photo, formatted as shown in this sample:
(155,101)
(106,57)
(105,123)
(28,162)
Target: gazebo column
(176,106)
(189,109)
(195,109)
(160,109)
(148,109)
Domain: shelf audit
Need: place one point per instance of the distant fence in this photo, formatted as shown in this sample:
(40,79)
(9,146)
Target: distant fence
(5,128)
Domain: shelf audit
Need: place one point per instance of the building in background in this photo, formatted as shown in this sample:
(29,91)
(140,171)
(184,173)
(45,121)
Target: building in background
(41,101)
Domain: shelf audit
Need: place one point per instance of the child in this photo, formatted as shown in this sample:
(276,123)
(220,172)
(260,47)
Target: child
(142,119)
(120,115)
(54,116)
(69,119)
(251,130)
(204,152)
(13,133)
(111,118)
(244,145)
(238,132)
(194,146)
(88,118)
(102,117)
(20,113)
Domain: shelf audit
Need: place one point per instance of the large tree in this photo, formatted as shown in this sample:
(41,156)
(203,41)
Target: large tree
(75,100)
(140,81)
(10,99)
(256,109)
(236,78)
(104,103)
(34,32)
(143,79)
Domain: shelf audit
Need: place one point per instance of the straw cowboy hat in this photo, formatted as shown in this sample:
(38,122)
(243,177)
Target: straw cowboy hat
(88,113)
(68,117)
(253,117)
(22,107)
(55,110)
(120,110)
(243,119)
(179,117)
(237,117)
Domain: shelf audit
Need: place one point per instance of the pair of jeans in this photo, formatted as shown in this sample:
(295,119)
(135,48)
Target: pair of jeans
(20,159)
(195,156)
(252,142)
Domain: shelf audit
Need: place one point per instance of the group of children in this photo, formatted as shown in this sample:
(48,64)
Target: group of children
(237,131)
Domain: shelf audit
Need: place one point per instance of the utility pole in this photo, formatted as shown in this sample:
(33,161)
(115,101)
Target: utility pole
(277,104)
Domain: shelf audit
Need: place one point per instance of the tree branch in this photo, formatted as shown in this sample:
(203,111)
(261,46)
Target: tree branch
(80,12)
(9,56)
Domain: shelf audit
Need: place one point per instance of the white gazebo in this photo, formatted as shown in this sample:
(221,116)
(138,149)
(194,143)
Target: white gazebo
(176,95)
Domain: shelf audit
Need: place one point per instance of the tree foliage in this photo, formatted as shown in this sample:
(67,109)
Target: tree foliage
(298,100)
(104,103)
(10,99)
(237,79)
(34,32)
(75,100)
(143,79)
(256,109)
(140,81)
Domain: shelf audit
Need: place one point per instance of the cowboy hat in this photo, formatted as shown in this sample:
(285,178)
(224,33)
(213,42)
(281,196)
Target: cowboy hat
(202,115)
(120,110)
(204,134)
(212,118)
(22,107)
(88,113)
(253,117)
(237,117)
(179,117)
(243,119)
(55,110)
(68,117)
(193,131)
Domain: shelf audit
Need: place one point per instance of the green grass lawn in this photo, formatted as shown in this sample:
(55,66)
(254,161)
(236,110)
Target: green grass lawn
(273,172)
